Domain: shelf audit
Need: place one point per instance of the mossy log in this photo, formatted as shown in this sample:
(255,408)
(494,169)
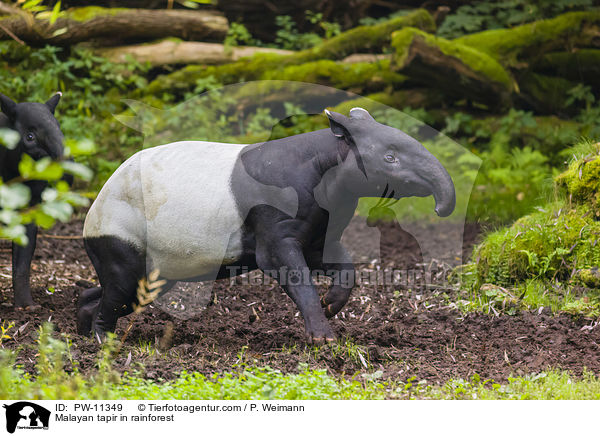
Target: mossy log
(366,39)
(579,65)
(115,24)
(523,45)
(169,52)
(360,78)
(458,70)
(254,67)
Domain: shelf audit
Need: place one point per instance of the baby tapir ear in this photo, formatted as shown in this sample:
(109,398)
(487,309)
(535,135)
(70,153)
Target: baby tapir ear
(53,102)
(8,107)
(337,123)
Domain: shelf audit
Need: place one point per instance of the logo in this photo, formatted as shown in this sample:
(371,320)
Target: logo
(26,415)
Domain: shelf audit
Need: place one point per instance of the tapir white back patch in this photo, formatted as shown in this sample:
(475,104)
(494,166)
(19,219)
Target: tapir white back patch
(177,203)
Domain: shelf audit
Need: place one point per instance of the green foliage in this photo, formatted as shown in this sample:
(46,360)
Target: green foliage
(483,15)
(551,385)
(237,34)
(288,37)
(57,200)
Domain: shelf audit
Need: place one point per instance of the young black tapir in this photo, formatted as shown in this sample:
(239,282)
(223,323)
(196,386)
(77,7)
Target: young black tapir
(196,210)
(40,136)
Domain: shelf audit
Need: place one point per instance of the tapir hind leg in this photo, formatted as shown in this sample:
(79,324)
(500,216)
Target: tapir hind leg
(21,267)
(87,307)
(120,266)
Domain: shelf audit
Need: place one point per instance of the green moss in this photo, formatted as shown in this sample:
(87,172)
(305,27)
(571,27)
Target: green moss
(589,277)
(89,12)
(511,46)
(582,181)
(185,79)
(358,77)
(556,241)
(546,244)
(367,39)
(470,57)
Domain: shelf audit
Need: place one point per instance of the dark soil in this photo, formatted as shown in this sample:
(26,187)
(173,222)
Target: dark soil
(403,332)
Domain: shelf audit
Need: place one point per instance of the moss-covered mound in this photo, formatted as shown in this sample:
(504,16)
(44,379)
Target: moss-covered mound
(582,182)
(546,244)
(560,241)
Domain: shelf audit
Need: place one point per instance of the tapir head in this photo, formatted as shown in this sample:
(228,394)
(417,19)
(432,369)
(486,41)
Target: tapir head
(39,130)
(390,163)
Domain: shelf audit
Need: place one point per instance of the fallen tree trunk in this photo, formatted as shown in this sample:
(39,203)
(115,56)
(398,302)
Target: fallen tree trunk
(183,52)
(459,71)
(359,40)
(114,24)
(522,45)
(366,39)
(360,78)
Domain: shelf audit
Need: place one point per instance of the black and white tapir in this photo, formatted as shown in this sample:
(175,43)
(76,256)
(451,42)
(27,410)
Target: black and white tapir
(195,210)
(40,136)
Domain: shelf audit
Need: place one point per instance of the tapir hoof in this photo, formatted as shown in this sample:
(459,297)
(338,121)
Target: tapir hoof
(320,335)
(321,341)
(331,309)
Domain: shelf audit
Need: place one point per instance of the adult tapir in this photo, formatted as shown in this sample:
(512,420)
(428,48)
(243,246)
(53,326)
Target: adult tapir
(40,136)
(195,210)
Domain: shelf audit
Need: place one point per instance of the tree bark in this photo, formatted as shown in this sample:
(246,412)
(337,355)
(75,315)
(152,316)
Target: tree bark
(95,23)
(183,52)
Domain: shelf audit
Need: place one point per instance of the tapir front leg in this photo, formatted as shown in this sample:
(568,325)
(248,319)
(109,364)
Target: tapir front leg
(21,264)
(342,272)
(285,261)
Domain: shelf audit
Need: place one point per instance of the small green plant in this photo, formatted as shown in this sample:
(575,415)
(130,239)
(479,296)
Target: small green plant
(5,328)
(288,37)
(238,34)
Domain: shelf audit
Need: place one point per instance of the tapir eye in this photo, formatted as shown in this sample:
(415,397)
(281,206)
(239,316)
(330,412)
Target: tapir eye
(30,137)
(389,158)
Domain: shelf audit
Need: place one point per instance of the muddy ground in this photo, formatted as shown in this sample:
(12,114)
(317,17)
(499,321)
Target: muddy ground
(401,330)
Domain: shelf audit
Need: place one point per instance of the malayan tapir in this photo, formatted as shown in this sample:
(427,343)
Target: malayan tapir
(40,136)
(195,211)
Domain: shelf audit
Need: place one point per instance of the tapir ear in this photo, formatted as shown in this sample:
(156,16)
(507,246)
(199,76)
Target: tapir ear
(337,123)
(53,102)
(8,106)
(360,114)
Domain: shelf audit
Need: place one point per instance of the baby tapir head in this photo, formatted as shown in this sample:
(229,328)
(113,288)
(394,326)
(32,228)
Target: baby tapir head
(390,163)
(35,122)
